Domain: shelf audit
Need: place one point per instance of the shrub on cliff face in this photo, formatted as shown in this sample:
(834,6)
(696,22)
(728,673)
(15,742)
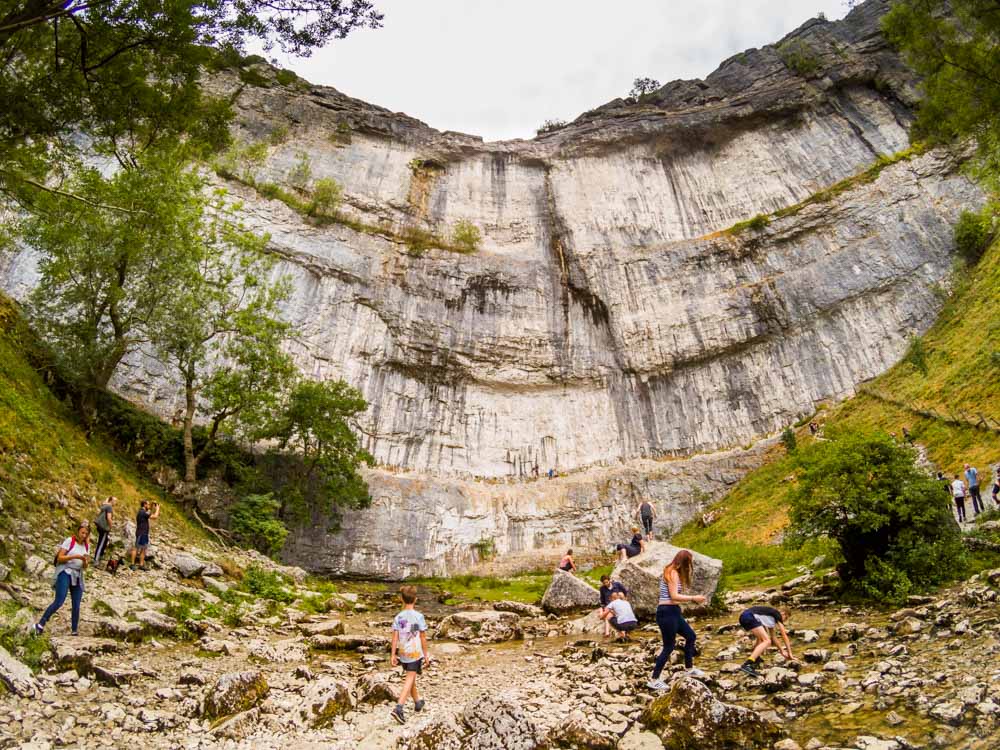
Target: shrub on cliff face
(799,56)
(892,521)
(972,234)
(254,522)
(465,236)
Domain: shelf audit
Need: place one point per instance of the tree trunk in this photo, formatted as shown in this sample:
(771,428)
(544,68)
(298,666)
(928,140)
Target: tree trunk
(190,460)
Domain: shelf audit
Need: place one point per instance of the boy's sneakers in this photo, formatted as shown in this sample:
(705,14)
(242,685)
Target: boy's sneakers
(656,685)
(747,668)
(418,706)
(397,714)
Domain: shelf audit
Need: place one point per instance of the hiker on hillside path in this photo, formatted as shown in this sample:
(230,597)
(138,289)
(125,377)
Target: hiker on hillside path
(103,524)
(72,556)
(972,478)
(958,492)
(142,519)
(646,514)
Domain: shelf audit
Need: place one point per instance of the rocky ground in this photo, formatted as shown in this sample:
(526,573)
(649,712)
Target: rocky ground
(166,659)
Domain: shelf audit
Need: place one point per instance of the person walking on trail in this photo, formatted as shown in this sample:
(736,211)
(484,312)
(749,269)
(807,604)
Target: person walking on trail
(566,564)
(142,519)
(72,557)
(996,487)
(646,515)
(409,650)
(958,492)
(972,479)
(676,578)
(103,525)
(761,621)
(635,547)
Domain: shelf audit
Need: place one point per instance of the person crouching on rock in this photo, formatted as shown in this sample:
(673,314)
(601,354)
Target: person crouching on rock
(72,556)
(566,564)
(676,578)
(409,649)
(761,621)
(607,591)
(633,548)
(619,615)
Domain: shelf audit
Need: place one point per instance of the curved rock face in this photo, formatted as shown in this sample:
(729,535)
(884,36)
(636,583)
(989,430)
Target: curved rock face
(607,316)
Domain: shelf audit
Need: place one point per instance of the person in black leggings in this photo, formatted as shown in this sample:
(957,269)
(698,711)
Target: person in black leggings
(676,577)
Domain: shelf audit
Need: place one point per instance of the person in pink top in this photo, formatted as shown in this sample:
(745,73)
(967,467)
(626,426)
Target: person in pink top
(567,563)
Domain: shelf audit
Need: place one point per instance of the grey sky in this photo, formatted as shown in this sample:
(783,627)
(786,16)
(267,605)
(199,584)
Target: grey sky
(498,68)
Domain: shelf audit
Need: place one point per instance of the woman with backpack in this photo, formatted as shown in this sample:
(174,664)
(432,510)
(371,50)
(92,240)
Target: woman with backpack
(72,556)
(676,578)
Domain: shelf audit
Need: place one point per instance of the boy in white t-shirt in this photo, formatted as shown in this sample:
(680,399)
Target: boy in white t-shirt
(409,650)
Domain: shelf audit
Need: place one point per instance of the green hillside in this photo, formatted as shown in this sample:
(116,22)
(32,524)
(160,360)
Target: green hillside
(946,385)
(51,474)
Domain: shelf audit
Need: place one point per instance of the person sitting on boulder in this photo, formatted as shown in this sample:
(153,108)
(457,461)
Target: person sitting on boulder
(567,564)
(676,577)
(761,621)
(619,615)
(607,590)
(633,548)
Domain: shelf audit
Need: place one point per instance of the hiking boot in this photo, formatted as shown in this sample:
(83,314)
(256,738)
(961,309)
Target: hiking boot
(656,685)
(418,706)
(747,668)
(397,714)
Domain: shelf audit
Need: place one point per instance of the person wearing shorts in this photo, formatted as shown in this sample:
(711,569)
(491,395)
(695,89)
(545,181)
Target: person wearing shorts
(142,519)
(760,621)
(409,650)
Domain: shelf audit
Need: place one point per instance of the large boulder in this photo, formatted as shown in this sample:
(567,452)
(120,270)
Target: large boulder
(641,576)
(324,700)
(567,593)
(233,693)
(16,676)
(481,627)
(689,716)
(188,565)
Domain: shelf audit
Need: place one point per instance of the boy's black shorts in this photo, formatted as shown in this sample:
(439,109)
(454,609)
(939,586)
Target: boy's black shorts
(413,666)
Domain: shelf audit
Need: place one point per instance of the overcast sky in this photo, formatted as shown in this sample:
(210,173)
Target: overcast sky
(498,68)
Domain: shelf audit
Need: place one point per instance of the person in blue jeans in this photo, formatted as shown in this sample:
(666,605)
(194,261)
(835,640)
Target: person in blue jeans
(72,557)
(676,578)
(972,479)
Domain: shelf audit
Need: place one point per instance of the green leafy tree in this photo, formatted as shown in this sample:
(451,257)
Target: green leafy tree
(254,522)
(109,260)
(326,197)
(788,439)
(955,46)
(314,424)
(220,329)
(973,233)
(642,87)
(125,74)
(892,522)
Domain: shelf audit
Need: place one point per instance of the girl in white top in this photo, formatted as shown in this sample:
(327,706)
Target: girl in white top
(72,557)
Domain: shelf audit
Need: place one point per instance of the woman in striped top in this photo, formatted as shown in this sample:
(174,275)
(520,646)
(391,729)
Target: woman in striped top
(676,578)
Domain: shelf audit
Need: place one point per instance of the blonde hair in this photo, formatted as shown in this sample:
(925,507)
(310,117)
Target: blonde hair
(635,529)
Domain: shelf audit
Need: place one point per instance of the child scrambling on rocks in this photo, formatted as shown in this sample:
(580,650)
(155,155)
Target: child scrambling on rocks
(409,650)
(761,621)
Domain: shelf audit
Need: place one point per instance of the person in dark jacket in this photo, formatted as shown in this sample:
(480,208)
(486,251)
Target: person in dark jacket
(760,621)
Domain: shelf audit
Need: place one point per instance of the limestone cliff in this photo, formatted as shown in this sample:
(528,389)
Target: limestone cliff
(608,318)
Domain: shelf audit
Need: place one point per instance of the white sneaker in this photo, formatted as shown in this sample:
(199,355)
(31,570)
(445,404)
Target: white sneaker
(695,672)
(656,685)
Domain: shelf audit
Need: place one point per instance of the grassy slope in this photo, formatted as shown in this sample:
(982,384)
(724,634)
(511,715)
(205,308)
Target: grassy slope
(963,376)
(45,459)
